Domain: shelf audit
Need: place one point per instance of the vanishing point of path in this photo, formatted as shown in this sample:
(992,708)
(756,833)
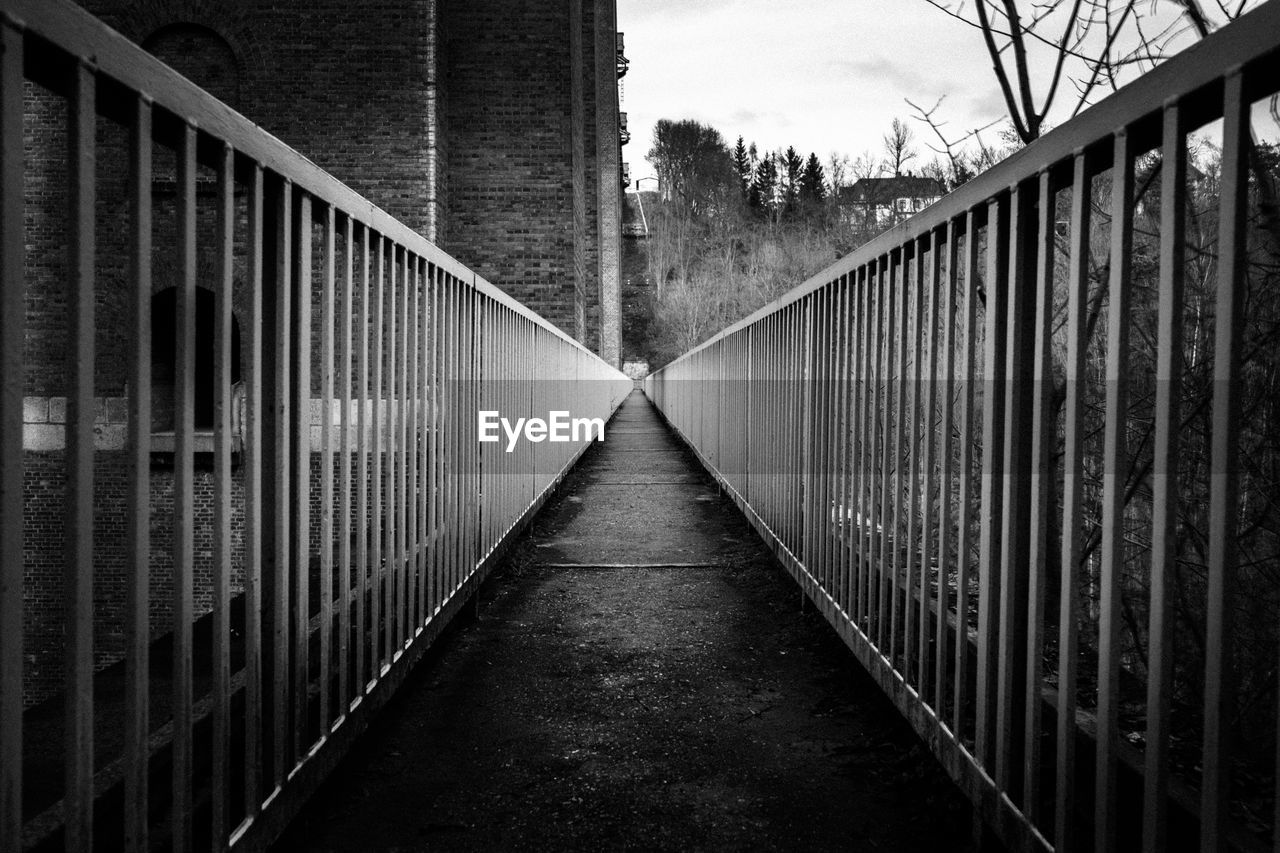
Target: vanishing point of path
(641,677)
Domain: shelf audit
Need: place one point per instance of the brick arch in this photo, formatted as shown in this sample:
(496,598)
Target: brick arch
(232,21)
(166,272)
(163,355)
(201,55)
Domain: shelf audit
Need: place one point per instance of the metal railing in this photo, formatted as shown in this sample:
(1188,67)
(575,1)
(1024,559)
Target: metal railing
(1018,452)
(344,515)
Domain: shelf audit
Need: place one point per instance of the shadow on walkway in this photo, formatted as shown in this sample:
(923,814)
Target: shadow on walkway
(641,677)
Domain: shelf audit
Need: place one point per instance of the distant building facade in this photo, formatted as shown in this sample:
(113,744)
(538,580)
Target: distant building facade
(880,202)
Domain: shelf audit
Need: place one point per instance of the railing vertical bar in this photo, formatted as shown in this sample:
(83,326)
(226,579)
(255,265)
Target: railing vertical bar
(345,457)
(451,342)
(911,431)
(183,487)
(899,588)
(867,516)
(391,470)
(222,548)
(485,355)
(428,395)
(463,354)
(947,290)
(768,418)
(138,557)
(829,469)
(965,521)
(1114,472)
(1012,486)
(898,592)
(302,481)
(850,506)
(280,510)
(470,444)
(457,373)
(253,440)
(383,559)
(327,296)
(1072,502)
(878,408)
(434,485)
(1042,482)
(12,336)
(377,427)
(843,443)
(928,316)
(491,393)
(781,452)
(799,331)
(791,411)
(989,545)
(363,431)
(839,502)
(760,393)
(1223,472)
(811,440)
(823,458)
(403,513)
(428,401)
(496,466)
(1164,476)
(413,421)
(808,466)
(453,331)
(501,375)
(833,425)
(78,567)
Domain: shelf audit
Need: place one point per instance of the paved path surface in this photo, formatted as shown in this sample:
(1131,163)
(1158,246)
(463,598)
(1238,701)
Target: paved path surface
(682,702)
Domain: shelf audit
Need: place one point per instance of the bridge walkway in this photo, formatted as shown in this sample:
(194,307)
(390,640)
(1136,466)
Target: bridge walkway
(640,676)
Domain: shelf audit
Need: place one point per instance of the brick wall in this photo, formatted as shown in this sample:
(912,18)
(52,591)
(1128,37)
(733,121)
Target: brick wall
(609,188)
(510,208)
(347,84)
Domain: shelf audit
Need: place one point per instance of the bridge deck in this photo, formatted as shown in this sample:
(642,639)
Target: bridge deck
(641,676)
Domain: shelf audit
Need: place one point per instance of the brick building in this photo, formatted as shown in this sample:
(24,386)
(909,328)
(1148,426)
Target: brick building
(489,126)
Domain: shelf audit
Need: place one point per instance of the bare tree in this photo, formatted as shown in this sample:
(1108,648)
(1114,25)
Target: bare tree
(897,146)
(1095,44)
(838,170)
(962,163)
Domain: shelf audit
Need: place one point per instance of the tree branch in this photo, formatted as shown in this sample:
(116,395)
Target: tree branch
(1062,59)
(1001,76)
(1024,73)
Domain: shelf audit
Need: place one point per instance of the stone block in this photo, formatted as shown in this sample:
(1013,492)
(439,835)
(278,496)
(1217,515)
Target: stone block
(35,410)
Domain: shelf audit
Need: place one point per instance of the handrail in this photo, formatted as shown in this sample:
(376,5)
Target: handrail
(349,505)
(914,428)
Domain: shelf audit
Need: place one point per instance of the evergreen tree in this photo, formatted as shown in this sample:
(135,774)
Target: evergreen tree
(742,163)
(792,167)
(813,183)
(765,186)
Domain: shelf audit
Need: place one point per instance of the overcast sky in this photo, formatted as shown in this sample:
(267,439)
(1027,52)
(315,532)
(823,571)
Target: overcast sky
(822,75)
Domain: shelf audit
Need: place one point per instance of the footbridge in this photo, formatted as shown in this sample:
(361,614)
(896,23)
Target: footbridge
(969,540)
